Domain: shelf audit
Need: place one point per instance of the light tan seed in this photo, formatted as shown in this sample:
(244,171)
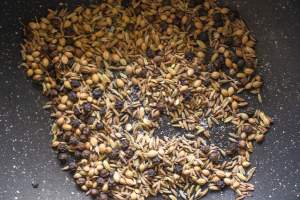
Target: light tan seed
(215,75)
(228,62)
(151,154)
(45,62)
(67,127)
(120,83)
(259,138)
(197,83)
(64,59)
(106,55)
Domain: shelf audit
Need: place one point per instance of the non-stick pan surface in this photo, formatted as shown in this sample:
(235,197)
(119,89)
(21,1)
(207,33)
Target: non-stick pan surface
(25,155)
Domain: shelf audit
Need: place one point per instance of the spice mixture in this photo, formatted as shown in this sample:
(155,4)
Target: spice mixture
(113,71)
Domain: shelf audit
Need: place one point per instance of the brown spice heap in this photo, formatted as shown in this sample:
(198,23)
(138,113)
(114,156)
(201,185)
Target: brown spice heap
(112,70)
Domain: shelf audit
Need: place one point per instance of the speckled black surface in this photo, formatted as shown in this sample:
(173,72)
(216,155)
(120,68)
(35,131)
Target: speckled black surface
(25,155)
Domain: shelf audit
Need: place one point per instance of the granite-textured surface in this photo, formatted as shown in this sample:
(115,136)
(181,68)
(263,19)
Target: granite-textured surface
(25,155)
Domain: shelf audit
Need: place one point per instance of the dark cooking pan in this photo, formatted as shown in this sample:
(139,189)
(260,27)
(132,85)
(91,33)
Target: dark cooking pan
(28,167)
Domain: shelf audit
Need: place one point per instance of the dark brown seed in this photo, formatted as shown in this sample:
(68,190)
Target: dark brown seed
(55,23)
(100,181)
(150,53)
(220,184)
(248,129)
(72,166)
(94,192)
(87,107)
(85,154)
(104,173)
(205,149)
(214,156)
(232,148)
(178,168)
(63,157)
(80,181)
(62,148)
(189,55)
(73,96)
(151,173)
(75,83)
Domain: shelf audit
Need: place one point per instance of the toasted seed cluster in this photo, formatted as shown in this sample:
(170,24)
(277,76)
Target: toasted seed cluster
(113,70)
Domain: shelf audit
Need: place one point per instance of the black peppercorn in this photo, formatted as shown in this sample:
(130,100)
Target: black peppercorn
(90,120)
(202,12)
(85,154)
(124,143)
(235,58)
(118,104)
(94,192)
(210,68)
(75,123)
(215,156)
(114,154)
(151,18)
(250,111)
(87,107)
(150,53)
(72,166)
(177,21)
(80,181)
(188,95)
(104,173)
(63,157)
(220,184)
(73,140)
(130,27)
(241,63)
(205,149)
(220,62)
(73,96)
(232,148)
(203,36)
(100,181)
(151,173)
(156,160)
(83,138)
(177,168)
(86,131)
(129,153)
(197,71)
(137,10)
(189,55)
(55,22)
(164,26)
(218,19)
(75,83)
(206,82)
(76,112)
(126,3)
(99,126)
(248,129)
(97,93)
(62,148)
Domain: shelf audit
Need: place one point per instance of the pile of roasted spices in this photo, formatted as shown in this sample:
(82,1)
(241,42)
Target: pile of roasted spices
(113,71)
